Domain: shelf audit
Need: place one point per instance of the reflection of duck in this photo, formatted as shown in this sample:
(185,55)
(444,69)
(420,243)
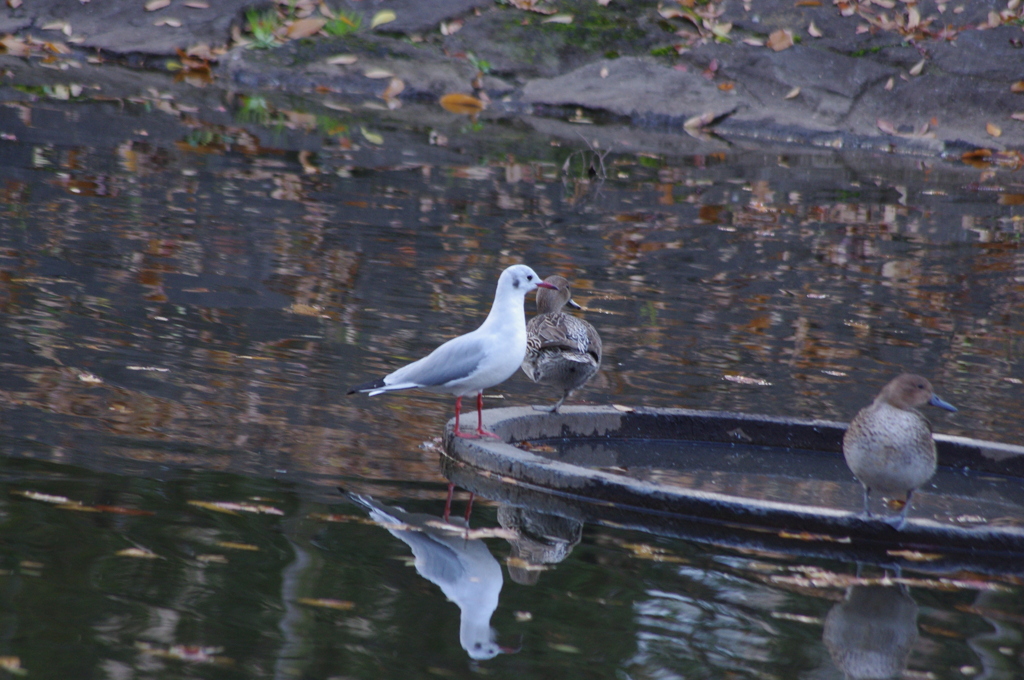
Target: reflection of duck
(561,350)
(542,539)
(871,632)
(471,363)
(889,444)
(464,569)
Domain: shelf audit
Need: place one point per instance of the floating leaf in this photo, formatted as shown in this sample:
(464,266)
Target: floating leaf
(814,31)
(792,94)
(916,69)
(44,497)
(1019,115)
(978,158)
(808,536)
(231,545)
(168,21)
(378,73)
(889,84)
(558,19)
(371,137)
(140,553)
(234,508)
(212,558)
(304,28)
(1017,87)
(914,555)
(385,16)
(993,129)
(780,40)
(564,648)
(197,4)
(343,59)
(154,5)
(461,103)
(623,409)
(12,664)
(340,605)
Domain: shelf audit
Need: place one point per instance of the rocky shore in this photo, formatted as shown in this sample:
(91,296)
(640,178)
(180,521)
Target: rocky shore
(927,78)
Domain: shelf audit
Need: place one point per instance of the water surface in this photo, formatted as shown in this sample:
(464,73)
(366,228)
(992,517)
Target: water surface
(185,303)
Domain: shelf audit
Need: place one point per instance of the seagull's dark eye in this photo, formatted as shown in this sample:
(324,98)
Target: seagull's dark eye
(529,277)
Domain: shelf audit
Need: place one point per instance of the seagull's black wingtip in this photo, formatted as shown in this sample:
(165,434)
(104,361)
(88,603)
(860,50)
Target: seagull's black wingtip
(366,387)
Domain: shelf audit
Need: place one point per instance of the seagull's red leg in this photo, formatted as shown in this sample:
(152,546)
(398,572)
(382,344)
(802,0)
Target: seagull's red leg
(458,410)
(448,501)
(480,431)
(469,507)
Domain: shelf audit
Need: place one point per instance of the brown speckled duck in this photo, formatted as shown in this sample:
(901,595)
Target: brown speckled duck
(889,444)
(561,349)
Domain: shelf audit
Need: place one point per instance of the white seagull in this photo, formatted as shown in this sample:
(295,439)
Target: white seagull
(463,568)
(471,363)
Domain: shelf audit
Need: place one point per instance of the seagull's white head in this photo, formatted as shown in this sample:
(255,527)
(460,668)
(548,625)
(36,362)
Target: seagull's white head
(520,279)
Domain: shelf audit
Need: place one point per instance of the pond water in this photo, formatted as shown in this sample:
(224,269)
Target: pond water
(186,301)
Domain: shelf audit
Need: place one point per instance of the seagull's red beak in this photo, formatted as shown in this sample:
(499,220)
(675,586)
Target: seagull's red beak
(545,284)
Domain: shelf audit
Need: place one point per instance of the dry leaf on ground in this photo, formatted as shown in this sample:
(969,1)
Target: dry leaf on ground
(780,40)
(886,127)
(385,16)
(461,103)
(304,28)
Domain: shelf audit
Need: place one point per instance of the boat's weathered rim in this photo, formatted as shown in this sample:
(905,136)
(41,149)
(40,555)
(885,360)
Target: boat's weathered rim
(502,460)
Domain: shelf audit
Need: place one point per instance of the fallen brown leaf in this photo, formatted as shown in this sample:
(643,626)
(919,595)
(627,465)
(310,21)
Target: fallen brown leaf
(780,40)
(461,103)
(1017,87)
(698,121)
(886,127)
(304,28)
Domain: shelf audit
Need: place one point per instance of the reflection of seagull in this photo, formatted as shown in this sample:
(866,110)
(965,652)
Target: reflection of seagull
(561,350)
(871,632)
(889,444)
(471,363)
(542,539)
(463,568)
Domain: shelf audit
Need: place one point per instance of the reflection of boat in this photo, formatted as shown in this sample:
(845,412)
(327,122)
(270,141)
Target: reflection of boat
(871,632)
(462,568)
(752,481)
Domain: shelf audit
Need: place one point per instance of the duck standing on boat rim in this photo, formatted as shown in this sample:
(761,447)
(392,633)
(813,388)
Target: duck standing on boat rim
(561,350)
(889,445)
